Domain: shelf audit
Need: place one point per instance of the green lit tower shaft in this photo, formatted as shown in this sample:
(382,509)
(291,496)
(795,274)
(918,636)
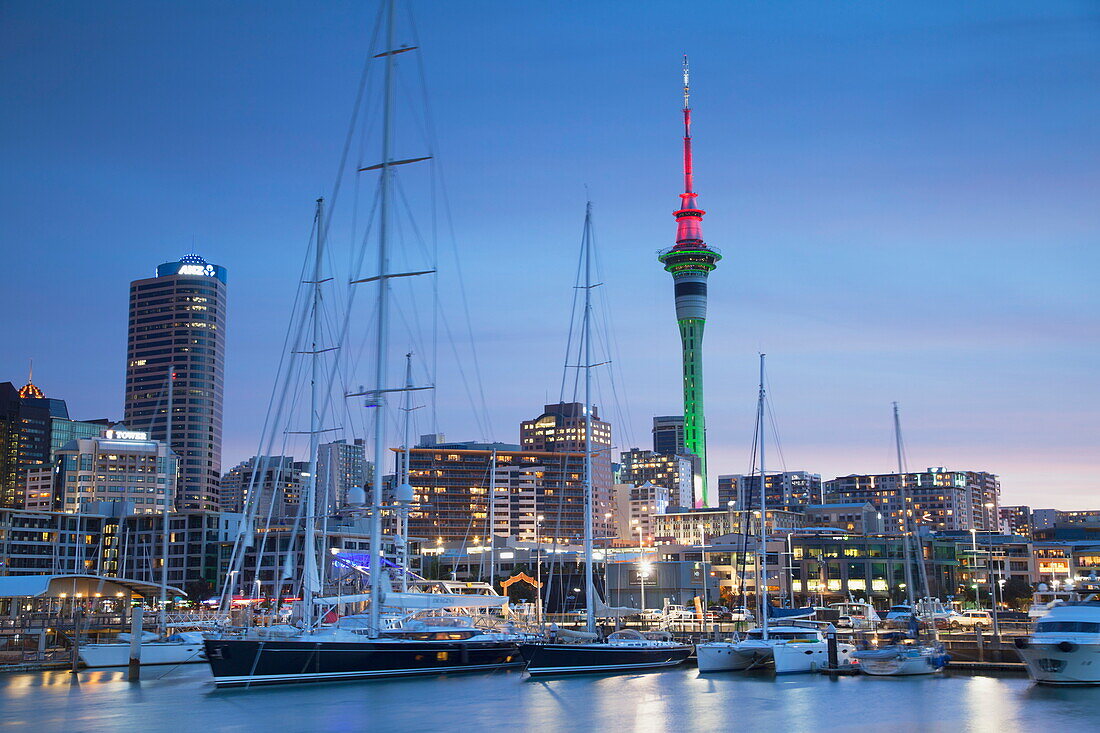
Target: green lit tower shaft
(690,261)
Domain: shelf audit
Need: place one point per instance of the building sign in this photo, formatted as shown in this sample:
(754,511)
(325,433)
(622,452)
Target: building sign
(636,577)
(126,435)
(204,270)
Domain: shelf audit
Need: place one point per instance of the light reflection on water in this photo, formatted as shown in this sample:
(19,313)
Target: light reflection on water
(677,700)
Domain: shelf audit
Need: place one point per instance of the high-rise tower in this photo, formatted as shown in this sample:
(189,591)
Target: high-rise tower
(690,262)
(177,319)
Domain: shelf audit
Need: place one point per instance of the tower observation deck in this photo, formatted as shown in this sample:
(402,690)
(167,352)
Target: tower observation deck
(690,261)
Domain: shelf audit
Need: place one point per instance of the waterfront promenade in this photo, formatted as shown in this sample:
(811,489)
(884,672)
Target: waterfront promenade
(677,700)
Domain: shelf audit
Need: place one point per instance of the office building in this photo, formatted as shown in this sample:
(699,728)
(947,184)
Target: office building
(703,525)
(673,472)
(38,488)
(63,430)
(856,517)
(25,416)
(342,466)
(1016,520)
(276,483)
(561,428)
(49,543)
(123,465)
(668,435)
(789,490)
(177,319)
(636,509)
(451,484)
(940,500)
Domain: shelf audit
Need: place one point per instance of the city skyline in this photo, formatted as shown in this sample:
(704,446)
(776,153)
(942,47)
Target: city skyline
(929,244)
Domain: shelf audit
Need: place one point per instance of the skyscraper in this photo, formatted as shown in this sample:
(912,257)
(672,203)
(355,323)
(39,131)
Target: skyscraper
(559,429)
(668,434)
(177,319)
(341,466)
(690,261)
(26,416)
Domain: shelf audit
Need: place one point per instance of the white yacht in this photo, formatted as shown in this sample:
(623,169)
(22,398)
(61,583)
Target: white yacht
(1064,649)
(181,648)
(1044,599)
(789,649)
(857,615)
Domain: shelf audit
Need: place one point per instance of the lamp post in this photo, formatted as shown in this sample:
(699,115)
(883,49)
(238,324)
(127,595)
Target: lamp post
(538,571)
(641,580)
(991,577)
(974,567)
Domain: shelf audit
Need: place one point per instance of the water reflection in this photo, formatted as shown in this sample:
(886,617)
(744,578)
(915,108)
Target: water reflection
(674,700)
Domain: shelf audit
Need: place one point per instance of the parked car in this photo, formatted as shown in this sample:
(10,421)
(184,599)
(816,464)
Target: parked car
(719,613)
(741,613)
(972,619)
(679,613)
(1014,617)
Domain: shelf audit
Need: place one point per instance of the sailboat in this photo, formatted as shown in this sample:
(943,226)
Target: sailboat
(627,649)
(362,646)
(164,647)
(901,659)
(787,648)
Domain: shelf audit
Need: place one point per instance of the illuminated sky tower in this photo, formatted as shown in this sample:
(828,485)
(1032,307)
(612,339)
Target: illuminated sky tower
(690,261)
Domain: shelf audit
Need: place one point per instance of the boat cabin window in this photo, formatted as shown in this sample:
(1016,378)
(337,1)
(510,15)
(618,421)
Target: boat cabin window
(786,634)
(1067,627)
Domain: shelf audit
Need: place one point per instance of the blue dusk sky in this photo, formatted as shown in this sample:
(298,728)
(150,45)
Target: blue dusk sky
(905,195)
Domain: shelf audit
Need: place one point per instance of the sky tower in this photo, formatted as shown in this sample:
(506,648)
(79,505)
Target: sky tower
(690,262)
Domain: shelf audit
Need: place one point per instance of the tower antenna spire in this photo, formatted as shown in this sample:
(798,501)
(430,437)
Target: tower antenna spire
(687,84)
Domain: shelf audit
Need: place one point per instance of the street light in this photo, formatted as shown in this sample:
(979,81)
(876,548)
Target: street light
(643,573)
(974,567)
(990,574)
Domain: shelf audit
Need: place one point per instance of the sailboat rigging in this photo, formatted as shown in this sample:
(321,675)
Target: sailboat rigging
(625,650)
(902,659)
(786,648)
(369,646)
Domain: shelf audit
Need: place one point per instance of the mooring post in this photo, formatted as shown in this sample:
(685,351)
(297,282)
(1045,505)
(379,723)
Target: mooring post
(136,632)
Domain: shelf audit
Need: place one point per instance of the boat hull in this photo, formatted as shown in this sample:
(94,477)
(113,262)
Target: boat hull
(1062,663)
(723,657)
(247,662)
(899,665)
(155,652)
(563,659)
(804,657)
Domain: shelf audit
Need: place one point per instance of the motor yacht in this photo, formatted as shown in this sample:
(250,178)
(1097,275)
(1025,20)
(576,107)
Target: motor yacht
(1064,648)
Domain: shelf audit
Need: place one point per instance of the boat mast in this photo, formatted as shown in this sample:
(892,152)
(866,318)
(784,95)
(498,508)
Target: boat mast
(492,519)
(382,337)
(309,545)
(168,498)
(762,576)
(589,584)
(904,514)
(403,479)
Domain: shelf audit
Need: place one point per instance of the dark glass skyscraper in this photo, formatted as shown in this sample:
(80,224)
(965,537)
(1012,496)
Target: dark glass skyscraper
(26,416)
(177,319)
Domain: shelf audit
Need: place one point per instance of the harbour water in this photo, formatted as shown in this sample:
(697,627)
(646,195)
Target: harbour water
(184,699)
